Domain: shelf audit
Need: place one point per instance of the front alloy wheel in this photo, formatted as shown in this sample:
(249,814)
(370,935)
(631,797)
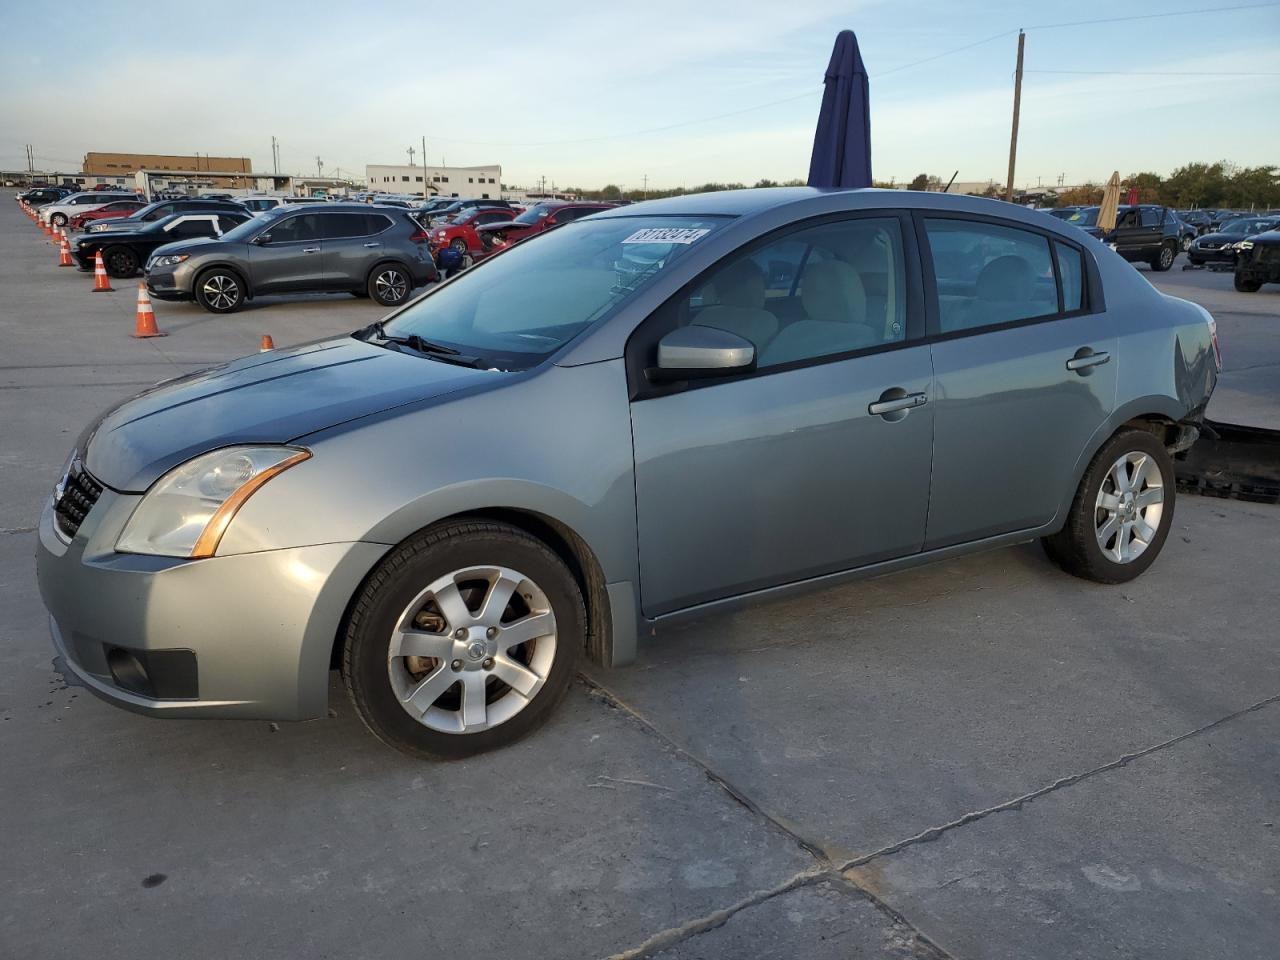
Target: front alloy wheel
(463,640)
(220,291)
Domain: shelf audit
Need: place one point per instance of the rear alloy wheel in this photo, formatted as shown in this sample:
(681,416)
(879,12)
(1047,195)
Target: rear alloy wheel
(58,219)
(1247,286)
(457,243)
(1164,259)
(390,285)
(220,291)
(1186,243)
(1121,513)
(463,640)
(121,262)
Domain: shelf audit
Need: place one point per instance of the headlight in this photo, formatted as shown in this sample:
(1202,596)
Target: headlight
(169,261)
(189,509)
(441,234)
(1244,245)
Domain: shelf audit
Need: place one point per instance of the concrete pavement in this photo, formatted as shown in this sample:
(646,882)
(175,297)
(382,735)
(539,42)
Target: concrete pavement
(979,759)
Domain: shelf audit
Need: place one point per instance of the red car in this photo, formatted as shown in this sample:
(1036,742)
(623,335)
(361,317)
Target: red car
(459,231)
(537,219)
(117,208)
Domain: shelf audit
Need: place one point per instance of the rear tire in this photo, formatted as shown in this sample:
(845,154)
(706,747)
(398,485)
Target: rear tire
(1164,259)
(423,703)
(220,290)
(1247,286)
(120,262)
(1115,530)
(389,284)
(58,219)
(1186,243)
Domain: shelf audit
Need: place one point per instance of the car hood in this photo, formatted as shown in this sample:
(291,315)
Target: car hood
(272,397)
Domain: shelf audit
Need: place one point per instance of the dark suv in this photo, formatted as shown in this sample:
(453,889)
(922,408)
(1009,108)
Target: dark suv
(353,247)
(1147,233)
(164,208)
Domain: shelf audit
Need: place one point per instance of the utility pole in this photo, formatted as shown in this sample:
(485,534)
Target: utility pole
(319,167)
(1017,104)
(275,156)
(411,153)
(646,186)
(424,166)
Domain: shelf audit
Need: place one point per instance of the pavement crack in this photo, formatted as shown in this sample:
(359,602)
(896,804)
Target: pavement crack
(669,937)
(604,693)
(933,833)
(4,530)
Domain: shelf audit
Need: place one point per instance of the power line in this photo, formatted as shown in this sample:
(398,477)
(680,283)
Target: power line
(1151,16)
(1159,73)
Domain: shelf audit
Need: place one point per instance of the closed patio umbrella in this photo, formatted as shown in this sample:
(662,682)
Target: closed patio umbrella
(1110,204)
(842,143)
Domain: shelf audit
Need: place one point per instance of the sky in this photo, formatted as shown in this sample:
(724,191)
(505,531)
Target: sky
(586,94)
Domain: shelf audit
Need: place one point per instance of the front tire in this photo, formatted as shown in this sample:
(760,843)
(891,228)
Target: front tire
(220,291)
(1122,511)
(1247,286)
(464,639)
(120,262)
(1186,243)
(58,219)
(1164,259)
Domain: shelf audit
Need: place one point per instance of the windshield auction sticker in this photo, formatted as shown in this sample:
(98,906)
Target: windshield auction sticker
(668,235)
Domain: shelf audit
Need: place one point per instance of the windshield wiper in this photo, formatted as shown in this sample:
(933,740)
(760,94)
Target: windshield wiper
(419,344)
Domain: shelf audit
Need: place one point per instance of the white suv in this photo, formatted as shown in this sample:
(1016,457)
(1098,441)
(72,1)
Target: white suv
(57,214)
(257,205)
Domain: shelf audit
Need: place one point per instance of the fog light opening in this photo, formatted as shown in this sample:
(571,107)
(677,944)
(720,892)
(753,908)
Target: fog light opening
(127,671)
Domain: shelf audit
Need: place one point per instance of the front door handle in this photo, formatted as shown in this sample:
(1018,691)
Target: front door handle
(895,403)
(310,249)
(369,245)
(1085,360)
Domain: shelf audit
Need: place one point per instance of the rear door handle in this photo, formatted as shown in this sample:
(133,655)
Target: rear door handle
(1085,360)
(373,244)
(895,404)
(310,249)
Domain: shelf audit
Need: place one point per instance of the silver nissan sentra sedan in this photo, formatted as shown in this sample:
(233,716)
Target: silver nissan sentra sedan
(661,410)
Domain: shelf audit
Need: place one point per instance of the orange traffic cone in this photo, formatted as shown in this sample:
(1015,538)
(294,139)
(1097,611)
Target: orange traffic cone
(100,282)
(64,253)
(146,322)
(48,230)
(267,343)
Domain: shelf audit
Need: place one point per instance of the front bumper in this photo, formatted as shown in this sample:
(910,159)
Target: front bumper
(163,284)
(247,636)
(1198,255)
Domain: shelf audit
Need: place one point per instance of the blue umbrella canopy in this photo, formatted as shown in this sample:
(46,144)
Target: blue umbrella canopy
(842,143)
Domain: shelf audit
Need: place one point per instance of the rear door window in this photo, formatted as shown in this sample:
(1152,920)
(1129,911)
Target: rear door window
(987,274)
(342,226)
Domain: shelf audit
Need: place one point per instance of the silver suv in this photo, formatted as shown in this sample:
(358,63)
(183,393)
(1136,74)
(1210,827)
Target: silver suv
(663,410)
(380,252)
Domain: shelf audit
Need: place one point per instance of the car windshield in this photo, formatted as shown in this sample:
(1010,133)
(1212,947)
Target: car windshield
(1245,226)
(518,308)
(533,214)
(251,226)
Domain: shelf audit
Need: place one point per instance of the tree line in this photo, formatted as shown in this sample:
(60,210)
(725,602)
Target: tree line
(1220,184)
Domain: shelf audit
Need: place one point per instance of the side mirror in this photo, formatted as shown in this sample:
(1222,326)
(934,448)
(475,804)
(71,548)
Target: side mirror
(262,239)
(698,353)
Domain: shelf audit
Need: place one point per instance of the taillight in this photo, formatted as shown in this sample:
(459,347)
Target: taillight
(420,236)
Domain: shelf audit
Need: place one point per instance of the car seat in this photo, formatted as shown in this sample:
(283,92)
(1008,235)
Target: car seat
(835,306)
(740,291)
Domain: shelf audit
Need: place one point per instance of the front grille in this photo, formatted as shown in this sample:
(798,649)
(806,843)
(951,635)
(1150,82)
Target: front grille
(74,498)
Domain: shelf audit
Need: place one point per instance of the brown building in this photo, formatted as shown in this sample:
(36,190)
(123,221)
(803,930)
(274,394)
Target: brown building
(127,164)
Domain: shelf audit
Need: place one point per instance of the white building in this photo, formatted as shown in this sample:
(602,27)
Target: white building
(477,183)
